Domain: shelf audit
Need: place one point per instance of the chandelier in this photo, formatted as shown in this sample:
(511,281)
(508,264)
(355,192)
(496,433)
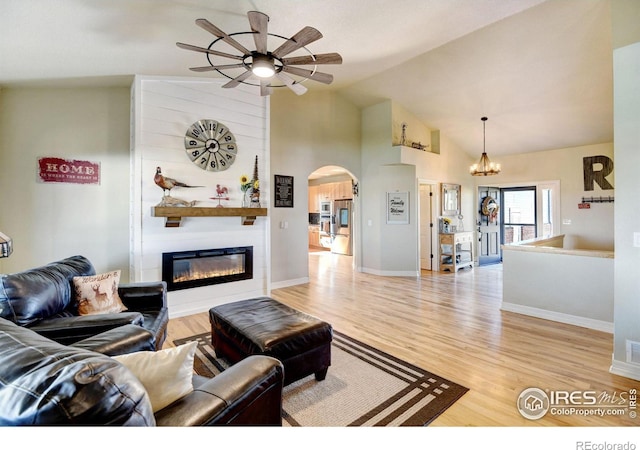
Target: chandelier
(485,166)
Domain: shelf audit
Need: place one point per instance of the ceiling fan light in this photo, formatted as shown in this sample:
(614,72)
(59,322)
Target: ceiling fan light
(262,63)
(263,67)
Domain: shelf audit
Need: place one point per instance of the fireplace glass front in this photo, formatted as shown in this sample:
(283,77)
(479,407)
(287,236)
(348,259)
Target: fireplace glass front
(183,270)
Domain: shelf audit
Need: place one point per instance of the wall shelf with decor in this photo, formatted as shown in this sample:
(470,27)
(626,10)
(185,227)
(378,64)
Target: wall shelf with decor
(173,214)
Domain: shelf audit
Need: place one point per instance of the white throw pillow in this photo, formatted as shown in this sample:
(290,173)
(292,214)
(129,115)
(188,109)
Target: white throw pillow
(167,374)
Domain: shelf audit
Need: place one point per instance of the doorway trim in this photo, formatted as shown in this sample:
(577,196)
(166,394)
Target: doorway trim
(553,185)
(435,207)
(356,212)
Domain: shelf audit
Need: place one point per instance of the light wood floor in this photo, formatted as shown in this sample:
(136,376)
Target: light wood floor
(451,324)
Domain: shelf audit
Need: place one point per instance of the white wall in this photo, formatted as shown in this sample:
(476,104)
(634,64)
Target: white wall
(307,132)
(627,212)
(391,249)
(569,288)
(55,220)
(589,228)
(164,109)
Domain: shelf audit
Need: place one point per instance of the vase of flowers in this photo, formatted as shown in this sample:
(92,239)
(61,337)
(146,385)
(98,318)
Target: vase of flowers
(245,186)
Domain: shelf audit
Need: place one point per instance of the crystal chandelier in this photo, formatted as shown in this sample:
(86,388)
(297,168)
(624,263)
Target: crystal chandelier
(485,166)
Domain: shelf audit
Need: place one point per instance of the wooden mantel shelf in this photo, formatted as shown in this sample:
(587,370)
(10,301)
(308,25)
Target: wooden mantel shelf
(174,214)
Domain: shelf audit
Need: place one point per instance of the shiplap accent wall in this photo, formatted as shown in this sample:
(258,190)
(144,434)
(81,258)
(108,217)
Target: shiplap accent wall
(162,111)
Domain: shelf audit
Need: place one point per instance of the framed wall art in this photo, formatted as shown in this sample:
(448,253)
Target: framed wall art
(398,208)
(283,191)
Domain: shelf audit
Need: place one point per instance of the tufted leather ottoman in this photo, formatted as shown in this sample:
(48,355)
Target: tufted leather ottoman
(265,326)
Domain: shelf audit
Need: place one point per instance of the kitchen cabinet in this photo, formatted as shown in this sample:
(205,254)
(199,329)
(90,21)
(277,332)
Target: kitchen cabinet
(456,250)
(314,236)
(329,192)
(325,192)
(342,190)
(314,199)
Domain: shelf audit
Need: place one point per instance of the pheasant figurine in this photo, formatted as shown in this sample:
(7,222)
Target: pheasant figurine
(167,183)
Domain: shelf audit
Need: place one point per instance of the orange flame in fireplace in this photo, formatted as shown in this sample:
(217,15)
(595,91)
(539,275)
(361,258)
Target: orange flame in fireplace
(213,267)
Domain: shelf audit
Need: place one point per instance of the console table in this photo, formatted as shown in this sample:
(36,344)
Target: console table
(456,250)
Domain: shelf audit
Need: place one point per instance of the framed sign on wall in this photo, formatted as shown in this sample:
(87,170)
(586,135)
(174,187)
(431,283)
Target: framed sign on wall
(283,191)
(398,208)
(52,169)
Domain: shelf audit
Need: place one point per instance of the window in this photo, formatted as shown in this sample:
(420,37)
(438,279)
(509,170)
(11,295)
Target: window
(547,213)
(518,214)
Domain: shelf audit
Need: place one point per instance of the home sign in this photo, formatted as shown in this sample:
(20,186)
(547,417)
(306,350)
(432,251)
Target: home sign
(59,170)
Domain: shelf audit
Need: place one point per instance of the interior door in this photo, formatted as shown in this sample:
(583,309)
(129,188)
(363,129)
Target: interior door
(426,227)
(489,226)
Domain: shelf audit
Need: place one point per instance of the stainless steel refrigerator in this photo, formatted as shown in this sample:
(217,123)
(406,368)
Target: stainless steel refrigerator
(341,230)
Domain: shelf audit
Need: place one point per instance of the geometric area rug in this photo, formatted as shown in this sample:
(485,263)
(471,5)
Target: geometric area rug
(364,387)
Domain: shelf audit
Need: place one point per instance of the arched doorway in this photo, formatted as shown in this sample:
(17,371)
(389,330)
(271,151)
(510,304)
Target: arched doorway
(333,204)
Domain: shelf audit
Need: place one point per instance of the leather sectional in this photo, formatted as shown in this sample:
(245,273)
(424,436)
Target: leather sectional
(42,299)
(43,382)
(56,369)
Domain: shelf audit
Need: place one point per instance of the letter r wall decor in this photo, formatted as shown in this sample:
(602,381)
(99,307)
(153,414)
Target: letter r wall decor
(598,176)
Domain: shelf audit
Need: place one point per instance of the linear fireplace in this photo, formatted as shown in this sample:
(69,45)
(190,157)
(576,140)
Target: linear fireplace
(189,269)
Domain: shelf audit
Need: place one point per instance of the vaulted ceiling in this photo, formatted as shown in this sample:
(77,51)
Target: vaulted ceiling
(540,70)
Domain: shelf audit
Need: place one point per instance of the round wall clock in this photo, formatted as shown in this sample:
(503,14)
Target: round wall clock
(210,145)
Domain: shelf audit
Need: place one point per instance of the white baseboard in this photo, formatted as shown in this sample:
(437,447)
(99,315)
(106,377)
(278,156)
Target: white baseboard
(287,283)
(585,322)
(625,369)
(390,273)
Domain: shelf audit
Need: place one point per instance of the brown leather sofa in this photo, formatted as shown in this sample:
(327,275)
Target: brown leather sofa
(42,299)
(43,382)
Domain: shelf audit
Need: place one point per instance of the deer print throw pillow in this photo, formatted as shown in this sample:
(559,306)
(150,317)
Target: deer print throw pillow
(98,294)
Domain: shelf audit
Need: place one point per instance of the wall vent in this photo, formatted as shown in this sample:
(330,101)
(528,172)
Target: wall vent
(633,352)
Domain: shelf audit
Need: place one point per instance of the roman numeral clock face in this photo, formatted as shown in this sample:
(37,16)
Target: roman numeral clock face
(210,145)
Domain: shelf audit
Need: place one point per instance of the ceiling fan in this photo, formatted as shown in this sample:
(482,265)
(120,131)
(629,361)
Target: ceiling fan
(262,66)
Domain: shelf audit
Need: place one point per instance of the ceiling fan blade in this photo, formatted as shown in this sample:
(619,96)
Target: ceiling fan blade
(265,88)
(291,84)
(237,80)
(211,28)
(323,58)
(258,22)
(325,78)
(210,68)
(195,48)
(303,37)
